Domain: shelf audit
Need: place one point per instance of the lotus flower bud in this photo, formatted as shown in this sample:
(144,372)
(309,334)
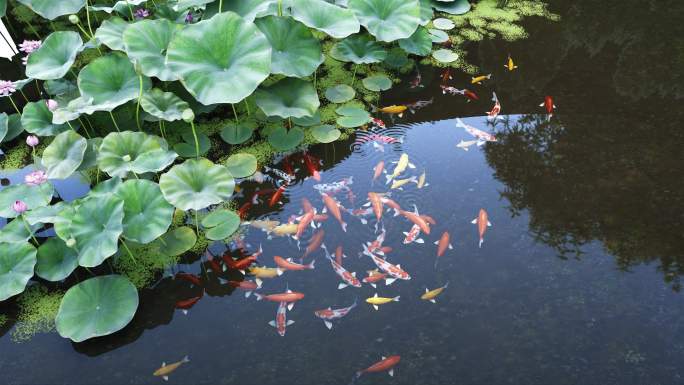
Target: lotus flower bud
(51,104)
(19,207)
(126,158)
(73,19)
(32,140)
(71,242)
(188,115)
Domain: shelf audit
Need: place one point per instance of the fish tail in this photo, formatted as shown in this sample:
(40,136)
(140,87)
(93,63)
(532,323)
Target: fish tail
(258,296)
(311,265)
(494,98)
(459,123)
(396,299)
(481,242)
(344,226)
(185,359)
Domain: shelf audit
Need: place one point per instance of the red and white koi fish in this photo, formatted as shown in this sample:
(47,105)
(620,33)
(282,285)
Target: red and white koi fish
(393,271)
(452,90)
(376,245)
(548,105)
(417,105)
(287,264)
(314,243)
(186,304)
(386,364)
(482,222)
(361,213)
(312,168)
(277,195)
(334,207)
(378,169)
(417,219)
(374,276)
(416,81)
(339,254)
(481,136)
(330,314)
(348,278)
(281,322)
(378,123)
(247,286)
(494,113)
(412,235)
(289,296)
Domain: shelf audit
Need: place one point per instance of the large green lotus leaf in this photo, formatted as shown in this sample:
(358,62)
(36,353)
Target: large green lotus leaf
(220,224)
(241,165)
(352,116)
(283,139)
(37,119)
(308,121)
(110,33)
(10,127)
(45,214)
(196,184)
(456,7)
(52,9)
(288,98)
(106,188)
(420,43)
(445,55)
(16,267)
(96,307)
(90,156)
(396,58)
(121,6)
(340,93)
(323,16)
(359,49)
(70,111)
(377,83)
(426,12)
(95,225)
(220,60)
(147,215)
(388,20)
(236,133)
(3,7)
(55,56)
(296,52)
(326,133)
(64,154)
(4,125)
(146,43)
(110,80)
(17,231)
(136,152)
(187,149)
(163,105)
(248,9)
(181,5)
(176,241)
(59,87)
(33,196)
(55,260)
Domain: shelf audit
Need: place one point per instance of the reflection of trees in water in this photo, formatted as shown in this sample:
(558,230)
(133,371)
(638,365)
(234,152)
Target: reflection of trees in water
(614,179)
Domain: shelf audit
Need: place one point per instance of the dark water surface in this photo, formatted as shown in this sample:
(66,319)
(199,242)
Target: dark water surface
(577,281)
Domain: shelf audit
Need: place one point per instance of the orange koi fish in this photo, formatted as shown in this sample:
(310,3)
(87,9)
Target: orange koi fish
(482,222)
(314,243)
(378,170)
(386,364)
(287,264)
(334,208)
(289,296)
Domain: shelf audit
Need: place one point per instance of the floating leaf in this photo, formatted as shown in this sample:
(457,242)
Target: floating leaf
(420,43)
(176,241)
(110,33)
(359,49)
(37,119)
(147,215)
(64,154)
(163,105)
(289,97)
(186,149)
(196,184)
(96,307)
(146,43)
(443,24)
(111,81)
(235,133)
(51,9)
(16,267)
(445,55)
(387,20)
(438,36)
(335,21)
(377,83)
(455,7)
(283,139)
(127,151)
(326,133)
(308,121)
(56,260)
(55,56)
(352,116)
(241,165)
(220,224)
(296,52)
(340,93)
(396,58)
(33,196)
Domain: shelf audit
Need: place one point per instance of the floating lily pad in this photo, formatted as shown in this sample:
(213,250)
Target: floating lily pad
(55,56)
(283,139)
(340,93)
(443,24)
(51,9)
(64,154)
(123,152)
(16,267)
(455,7)
(335,21)
(352,116)
(296,52)
(37,119)
(241,165)
(56,260)
(33,196)
(110,33)
(111,81)
(445,55)
(235,133)
(377,83)
(220,224)
(326,133)
(387,20)
(186,148)
(176,241)
(420,43)
(438,36)
(163,105)
(146,43)
(359,49)
(147,215)
(96,307)
(308,121)
(196,184)
(289,97)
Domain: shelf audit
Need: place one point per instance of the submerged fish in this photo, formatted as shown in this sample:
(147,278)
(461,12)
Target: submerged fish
(348,278)
(482,222)
(452,90)
(402,163)
(480,79)
(548,105)
(482,136)
(261,273)
(394,271)
(276,198)
(186,304)
(417,105)
(412,235)
(311,167)
(465,144)
(416,82)
(288,296)
(314,243)
(285,229)
(334,207)
(330,314)
(165,370)
(417,219)
(287,264)
(247,286)
(281,174)
(509,64)
(335,187)
(374,276)
(378,123)
(446,75)
(443,244)
(421,181)
(430,295)
(265,225)
(375,300)
(378,169)
(494,113)
(398,183)
(393,110)
(281,322)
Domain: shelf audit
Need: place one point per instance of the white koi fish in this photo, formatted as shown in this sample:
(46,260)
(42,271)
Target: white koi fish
(494,113)
(281,322)
(330,314)
(465,144)
(394,271)
(348,278)
(482,136)
(412,235)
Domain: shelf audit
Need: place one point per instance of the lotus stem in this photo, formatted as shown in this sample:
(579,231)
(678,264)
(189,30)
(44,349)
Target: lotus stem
(114,120)
(90,28)
(85,33)
(220,6)
(280,7)
(354,75)
(24,95)
(137,107)
(161,129)
(33,30)
(97,175)
(247,107)
(196,223)
(28,228)
(128,251)
(130,9)
(10,26)
(237,121)
(14,105)
(314,76)
(194,135)
(84,127)
(40,92)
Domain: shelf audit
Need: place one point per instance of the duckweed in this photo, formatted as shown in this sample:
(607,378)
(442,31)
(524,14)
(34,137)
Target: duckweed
(148,263)
(37,311)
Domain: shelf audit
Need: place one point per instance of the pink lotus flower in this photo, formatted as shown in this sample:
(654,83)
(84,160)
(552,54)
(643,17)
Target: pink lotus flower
(35,178)
(32,140)
(29,46)
(7,88)
(19,206)
(141,13)
(51,104)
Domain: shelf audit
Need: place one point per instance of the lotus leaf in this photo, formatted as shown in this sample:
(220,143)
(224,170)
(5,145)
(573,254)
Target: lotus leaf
(122,6)
(17,231)
(123,152)
(146,43)
(96,307)
(420,43)
(388,20)
(64,154)
(90,156)
(106,188)
(71,111)
(359,49)
(248,9)
(426,12)
(55,56)
(55,260)
(111,81)
(438,36)
(176,241)
(326,133)
(186,149)
(456,7)
(33,196)
(445,55)
(37,119)
(16,267)
(111,32)
(443,24)
(396,58)
(282,139)
(10,126)
(377,83)
(352,116)
(340,93)
(289,97)
(296,52)
(220,224)
(51,9)
(3,7)
(331,19)
(241,165)
(45,214)
(59,87)
(163,105)
(236,133)
(220,60)
(196,184)
(146,214)
(95,225)
(308,121)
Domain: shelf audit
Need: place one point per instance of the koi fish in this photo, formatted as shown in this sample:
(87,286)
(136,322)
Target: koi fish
(430,295)
(307,206)
(192,278)
(281,322)
(385,250)
(509,64)
(288,296)
(374,276)
(412,235)
(378,123)
(482,136)
(330,314)
(248,286)
(380,139)
(378,169)
(265,225)
(334,208)
(242,211)
(548,105)
(258,177)
(398,183)
(376,245)
(465,144)
(480,79)
(165,370)
(375,201)
(281,174)
(255,196)
(348,278)
(470,95)
(421,181)
(287,166)
(339,254)
(416,81)
(415,106)
(390,203)
(241,264)
(417,219)
(482,222)
(494,113)
(392,110)
(443,243)
(375,301)
(277,195)
(402,163)
(186,304)
(261,273)
(314,243)
(284,230)
(304,222)
(287,264)
(452,90)
(446,75)
(335,187)
(320,218)
(312,168)
(393,271)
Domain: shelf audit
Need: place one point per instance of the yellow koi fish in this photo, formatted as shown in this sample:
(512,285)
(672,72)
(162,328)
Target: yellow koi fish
(265,225)
(285,229)
(401,167)
(480,79)
(375,300)
(510,65)
(264,272)
(397,183)
(165,370)
(421,181)
(431,294)
(393,109)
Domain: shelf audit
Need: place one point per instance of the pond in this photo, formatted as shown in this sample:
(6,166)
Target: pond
(576,281)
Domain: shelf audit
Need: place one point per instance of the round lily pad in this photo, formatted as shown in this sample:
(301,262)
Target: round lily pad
(308,121)
(443,24)
(110,81)
(454,7)
(336,21)
(55,56)
(438,36)
(352,116)
(340,93)
(37,119)
(186,149)
(377,83)
(220,224)
(56,260)
(236,133)
(176,241)
(241,165)
(127,151)
(289,97)
(64,154)
(445,55)
(283,139)
(16,267)
(163,105)
(326,133)
(196,184)
(359,49)
(147,215)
